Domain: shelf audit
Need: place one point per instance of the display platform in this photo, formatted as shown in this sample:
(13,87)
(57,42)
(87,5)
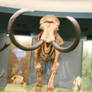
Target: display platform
(18,88)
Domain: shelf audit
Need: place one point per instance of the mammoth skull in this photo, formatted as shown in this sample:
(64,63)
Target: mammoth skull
(49,25)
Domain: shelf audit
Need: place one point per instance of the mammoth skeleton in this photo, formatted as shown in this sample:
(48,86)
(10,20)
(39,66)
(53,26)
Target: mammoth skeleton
(48,44)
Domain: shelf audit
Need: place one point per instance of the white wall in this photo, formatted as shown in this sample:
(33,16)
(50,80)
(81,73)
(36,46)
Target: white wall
(51,5)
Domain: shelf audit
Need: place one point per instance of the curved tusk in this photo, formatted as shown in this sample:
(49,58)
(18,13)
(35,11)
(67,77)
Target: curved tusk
(75,42)
(5,42)
(2,73)
(11,33)
(4,46)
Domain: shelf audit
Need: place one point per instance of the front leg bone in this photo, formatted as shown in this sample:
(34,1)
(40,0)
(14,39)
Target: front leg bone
(38,67)
(54,72)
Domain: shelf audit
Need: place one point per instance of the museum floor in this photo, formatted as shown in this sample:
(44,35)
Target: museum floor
(13,88)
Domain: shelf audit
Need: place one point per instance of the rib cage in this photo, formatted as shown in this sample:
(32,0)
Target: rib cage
(46,52)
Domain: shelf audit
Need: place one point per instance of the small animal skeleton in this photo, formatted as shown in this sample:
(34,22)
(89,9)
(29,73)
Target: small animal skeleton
(47,46)
(77,84)
(18,80)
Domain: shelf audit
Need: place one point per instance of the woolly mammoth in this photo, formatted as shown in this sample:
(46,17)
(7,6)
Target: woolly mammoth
(48,44)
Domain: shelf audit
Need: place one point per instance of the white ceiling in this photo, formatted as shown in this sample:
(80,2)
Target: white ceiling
(50,5)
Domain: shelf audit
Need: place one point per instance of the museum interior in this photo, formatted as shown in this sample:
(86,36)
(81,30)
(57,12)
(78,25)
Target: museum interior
(45,46)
